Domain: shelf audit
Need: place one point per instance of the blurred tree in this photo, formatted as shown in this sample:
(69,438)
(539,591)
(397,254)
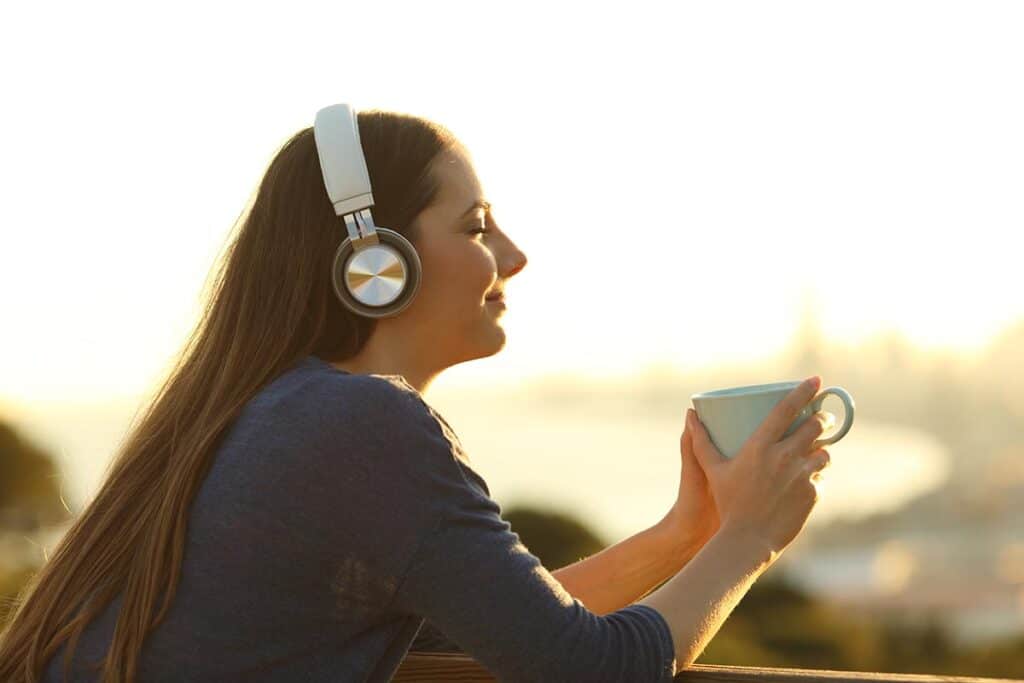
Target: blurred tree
(997,659)
(556,538)
(29,502)
(778,624)
(918,646)
(29,495)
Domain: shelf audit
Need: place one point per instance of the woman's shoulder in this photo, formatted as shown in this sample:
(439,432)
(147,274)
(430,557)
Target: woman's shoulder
(378,420)
(377,391)
(375,428)
(325,374)
(312,385)
(383,405)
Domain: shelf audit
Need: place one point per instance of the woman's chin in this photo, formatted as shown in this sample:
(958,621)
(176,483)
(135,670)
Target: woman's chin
(500,333)
(496,336)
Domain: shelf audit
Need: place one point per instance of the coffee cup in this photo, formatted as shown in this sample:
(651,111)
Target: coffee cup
(732,415)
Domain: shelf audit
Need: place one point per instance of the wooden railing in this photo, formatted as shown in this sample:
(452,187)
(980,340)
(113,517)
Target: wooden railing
(442,666)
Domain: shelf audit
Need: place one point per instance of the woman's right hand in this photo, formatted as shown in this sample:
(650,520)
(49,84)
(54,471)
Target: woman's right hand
(767,491)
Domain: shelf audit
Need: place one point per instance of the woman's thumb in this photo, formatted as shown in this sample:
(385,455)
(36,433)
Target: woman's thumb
(703,447)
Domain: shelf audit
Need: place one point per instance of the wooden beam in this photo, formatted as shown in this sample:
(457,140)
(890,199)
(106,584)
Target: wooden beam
(420,667)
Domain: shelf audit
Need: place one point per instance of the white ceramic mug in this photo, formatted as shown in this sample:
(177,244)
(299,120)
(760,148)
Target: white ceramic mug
(732,415)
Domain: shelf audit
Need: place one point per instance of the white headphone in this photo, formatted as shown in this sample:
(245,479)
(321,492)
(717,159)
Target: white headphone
(376,272)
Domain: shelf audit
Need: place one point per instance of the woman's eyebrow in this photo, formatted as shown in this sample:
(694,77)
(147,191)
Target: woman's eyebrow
(478,204)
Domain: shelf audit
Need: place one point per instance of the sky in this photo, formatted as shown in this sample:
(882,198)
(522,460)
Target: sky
(683,177)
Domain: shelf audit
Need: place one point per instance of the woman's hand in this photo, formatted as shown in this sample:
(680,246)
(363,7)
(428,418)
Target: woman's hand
(767,491)
(693,519)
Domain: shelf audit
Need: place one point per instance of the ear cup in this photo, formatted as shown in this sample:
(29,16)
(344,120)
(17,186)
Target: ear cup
(379,281)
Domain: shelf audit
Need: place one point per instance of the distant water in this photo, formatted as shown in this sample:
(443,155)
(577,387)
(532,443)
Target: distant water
(617,471)
(621,475)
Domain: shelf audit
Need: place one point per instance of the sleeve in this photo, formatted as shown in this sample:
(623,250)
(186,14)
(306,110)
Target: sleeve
(473,578)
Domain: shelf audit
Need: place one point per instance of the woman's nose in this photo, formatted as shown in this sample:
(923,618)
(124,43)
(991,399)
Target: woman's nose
(515,262)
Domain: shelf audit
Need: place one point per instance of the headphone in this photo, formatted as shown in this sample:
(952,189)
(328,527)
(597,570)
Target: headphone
(376,271)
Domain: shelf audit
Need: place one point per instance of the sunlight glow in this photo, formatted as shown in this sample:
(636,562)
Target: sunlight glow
(738,174)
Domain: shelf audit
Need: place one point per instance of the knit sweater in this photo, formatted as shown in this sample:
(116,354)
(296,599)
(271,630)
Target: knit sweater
(339,512)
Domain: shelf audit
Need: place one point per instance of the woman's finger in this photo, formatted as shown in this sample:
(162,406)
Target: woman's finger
(801,441)
(782,415)
(707,453)
(818,461)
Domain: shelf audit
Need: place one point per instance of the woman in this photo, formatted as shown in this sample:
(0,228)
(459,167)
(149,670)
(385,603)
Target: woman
(290,507)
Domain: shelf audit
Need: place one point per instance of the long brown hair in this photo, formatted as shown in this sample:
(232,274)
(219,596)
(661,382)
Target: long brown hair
(271,303)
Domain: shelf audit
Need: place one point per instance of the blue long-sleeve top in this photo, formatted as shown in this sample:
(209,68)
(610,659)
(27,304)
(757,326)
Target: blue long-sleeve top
(339,512)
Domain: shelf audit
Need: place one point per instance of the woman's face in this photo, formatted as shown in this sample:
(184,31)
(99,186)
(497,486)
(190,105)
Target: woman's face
(461,266)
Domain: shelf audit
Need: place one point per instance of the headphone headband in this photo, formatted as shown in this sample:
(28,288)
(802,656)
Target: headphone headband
(336,131)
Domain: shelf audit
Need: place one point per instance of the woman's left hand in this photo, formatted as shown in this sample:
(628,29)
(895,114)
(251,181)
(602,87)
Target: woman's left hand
(693,519)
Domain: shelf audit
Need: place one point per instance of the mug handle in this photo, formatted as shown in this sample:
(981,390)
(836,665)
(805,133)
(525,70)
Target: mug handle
(848,404)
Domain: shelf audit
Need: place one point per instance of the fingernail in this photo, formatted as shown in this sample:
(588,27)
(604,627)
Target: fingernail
(814,381)
(689,416)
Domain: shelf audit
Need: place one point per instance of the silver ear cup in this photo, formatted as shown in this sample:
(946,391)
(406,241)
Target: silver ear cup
(378,281)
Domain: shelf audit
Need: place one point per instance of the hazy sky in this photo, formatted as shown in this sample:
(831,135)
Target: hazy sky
(680,176)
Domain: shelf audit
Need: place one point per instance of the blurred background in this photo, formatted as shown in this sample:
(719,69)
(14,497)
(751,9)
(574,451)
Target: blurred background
(709,194)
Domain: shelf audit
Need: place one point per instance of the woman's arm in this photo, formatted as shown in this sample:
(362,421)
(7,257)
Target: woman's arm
(622,573)
(697,601)
(609,580)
